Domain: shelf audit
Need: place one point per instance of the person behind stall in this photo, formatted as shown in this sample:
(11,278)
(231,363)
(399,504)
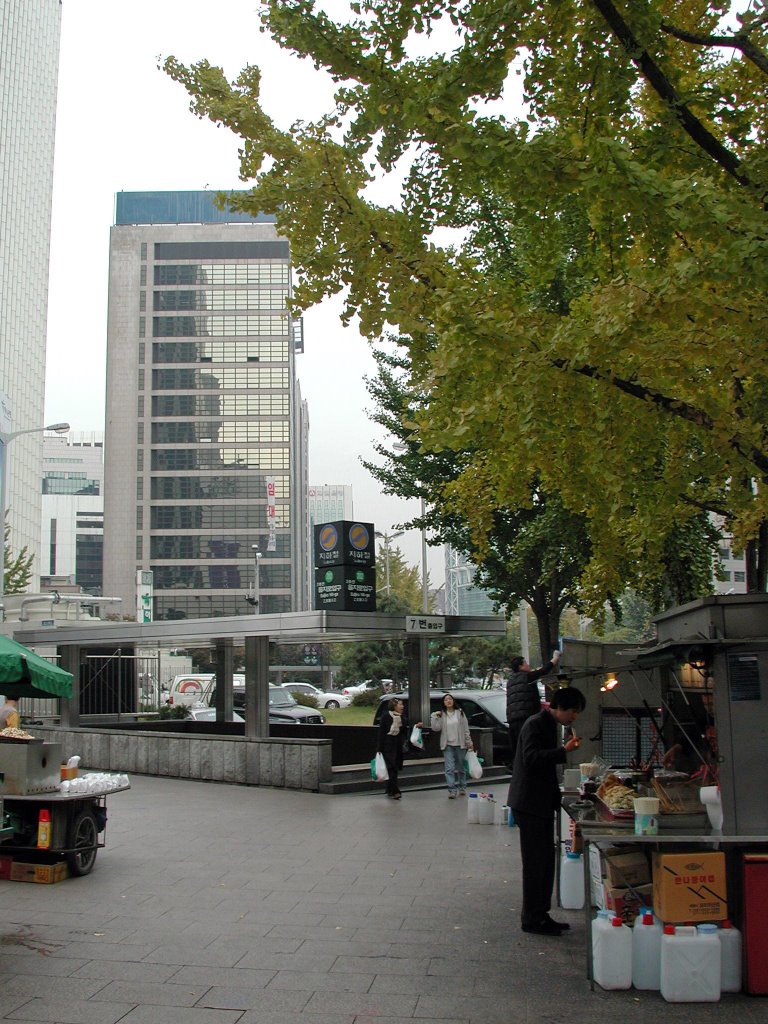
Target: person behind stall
(455,741)
(393,738)
(534,796)
(523,699)
(9,714)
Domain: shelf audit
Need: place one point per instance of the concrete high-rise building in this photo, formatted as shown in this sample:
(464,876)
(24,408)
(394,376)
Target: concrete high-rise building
(461,596)
(206,433)
(29,63)
(72,539)
(329,503)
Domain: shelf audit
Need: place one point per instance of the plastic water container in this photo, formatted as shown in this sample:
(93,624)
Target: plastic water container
(646,952)
(473,809)
(690,964)
(486,810)
(611,953)
(511,818)
(501,814)
(730,963)
(571,881)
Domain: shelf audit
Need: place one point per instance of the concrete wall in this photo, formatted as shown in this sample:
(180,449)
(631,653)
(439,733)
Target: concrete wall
(285,764)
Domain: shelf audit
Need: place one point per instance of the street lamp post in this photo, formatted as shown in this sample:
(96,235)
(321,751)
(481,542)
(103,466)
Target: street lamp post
(387,537)
(256,600)
(5,440)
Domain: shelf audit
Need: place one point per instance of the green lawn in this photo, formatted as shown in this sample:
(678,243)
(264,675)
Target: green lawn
(349,716)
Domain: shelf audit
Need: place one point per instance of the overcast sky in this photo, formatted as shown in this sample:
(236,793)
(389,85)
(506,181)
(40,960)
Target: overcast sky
(123,125)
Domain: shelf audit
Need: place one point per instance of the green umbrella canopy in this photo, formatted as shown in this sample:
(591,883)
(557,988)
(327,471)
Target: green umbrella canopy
(25,674)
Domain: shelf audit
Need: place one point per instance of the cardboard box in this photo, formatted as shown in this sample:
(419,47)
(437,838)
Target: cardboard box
(689,887)
(46,874)
(627,869)
(626,903)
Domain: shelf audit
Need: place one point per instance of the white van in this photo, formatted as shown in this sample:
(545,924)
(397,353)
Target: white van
(198,688)
(191,689)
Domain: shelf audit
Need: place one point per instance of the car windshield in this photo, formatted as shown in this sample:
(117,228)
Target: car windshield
(278,696)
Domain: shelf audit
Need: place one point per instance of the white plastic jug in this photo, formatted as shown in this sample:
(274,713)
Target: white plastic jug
(646,952)
(730,963)
(611,953)
(473,808)
(571,881)
(501,814)
(486,810)
(690,964)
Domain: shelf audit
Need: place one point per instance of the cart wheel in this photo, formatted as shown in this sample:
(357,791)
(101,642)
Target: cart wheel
(83,836)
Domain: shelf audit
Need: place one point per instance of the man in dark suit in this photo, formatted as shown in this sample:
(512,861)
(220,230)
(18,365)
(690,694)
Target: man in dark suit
(534,796)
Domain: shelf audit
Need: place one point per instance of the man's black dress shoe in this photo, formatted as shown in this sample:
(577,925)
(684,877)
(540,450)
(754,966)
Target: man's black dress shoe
(543,928)
(559,924)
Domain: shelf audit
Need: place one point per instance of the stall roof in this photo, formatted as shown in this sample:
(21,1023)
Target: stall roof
(290,627)
(684,648)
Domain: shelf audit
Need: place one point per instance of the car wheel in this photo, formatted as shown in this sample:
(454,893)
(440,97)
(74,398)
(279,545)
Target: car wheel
(83,836)
(333,704)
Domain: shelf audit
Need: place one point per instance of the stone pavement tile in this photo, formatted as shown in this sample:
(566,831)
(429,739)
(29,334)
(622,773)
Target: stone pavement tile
(245,998)
(279,915)
(200,936)
(125,970)
(155,993)
(270,1017)
(316,932)
(189,956)
(180,1015)
(10,1003)
(39,964)
(388,965)
(417,984)
(44,986)
(71,1011)
(107,951)
(223,977)
(421,1020)
(379,1005)
(490,1009)
(348,946)
(320,981)
(277,961)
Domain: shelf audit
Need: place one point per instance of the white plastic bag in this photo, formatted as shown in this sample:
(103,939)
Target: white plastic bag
(381,768)
(417,740)
(474,767)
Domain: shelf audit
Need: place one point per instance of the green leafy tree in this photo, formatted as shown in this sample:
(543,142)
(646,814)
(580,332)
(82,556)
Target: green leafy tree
(376,659)
(638,393)
(17,567)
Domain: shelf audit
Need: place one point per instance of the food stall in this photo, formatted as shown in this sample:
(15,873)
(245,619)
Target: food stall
(692,716)
(52,819)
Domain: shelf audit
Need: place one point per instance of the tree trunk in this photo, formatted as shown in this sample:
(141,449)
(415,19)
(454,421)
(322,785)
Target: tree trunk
(544,614)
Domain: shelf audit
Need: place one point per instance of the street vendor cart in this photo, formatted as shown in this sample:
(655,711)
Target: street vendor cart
(42,821)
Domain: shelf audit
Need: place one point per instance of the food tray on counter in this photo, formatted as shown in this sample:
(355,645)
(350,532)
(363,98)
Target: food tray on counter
(20,739)
(621,814)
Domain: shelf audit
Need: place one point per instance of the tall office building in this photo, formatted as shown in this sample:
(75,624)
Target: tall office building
(29,61)
(72,539)
(207,434)
(328,503)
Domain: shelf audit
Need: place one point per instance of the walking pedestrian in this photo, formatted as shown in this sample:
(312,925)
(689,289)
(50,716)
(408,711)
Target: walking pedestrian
(393,738)
(455,741)
(534,796)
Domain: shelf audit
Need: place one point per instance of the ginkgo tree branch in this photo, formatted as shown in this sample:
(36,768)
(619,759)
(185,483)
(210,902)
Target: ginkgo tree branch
(666,91)
(738,41)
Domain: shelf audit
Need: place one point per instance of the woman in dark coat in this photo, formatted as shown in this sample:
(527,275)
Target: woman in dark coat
(393,739)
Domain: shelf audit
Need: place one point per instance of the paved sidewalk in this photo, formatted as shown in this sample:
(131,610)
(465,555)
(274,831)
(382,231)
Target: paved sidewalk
(218,904)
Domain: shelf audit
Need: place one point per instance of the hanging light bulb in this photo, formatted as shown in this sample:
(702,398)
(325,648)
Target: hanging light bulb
(610,684)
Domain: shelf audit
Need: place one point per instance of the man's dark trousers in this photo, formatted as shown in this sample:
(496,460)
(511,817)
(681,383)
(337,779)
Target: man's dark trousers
(537,849)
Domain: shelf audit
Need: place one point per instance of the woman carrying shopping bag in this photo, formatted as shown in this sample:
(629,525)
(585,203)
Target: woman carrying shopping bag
(455,741)
(393,738)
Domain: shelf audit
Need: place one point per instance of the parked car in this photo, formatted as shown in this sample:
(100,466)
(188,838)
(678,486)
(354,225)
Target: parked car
(483,708)
(209,715)
(282,704)
(324,698)
(370,684)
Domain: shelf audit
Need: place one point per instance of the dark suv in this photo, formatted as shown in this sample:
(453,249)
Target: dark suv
(282,707)
(485,709)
